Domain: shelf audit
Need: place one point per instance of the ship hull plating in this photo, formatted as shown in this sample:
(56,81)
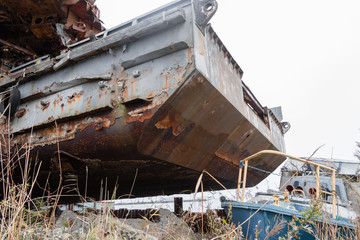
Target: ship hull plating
(142,109)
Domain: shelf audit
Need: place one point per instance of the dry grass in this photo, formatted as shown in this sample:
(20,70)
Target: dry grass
(23,217)
(17,208)
(324,230)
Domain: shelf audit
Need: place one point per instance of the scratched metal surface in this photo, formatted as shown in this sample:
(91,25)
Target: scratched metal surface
(158,97)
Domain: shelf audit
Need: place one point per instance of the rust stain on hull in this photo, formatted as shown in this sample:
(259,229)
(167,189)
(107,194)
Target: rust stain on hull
(192,130)
(195,129)
(167,111)
(172,121)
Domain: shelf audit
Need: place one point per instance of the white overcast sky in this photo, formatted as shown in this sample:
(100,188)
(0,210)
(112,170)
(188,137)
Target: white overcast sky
(301,55)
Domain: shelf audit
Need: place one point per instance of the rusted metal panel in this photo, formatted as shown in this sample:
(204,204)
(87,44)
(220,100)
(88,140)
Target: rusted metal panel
(155,77)
(199,129)
(43,27)
(82,99)
(155,96)
(257,131)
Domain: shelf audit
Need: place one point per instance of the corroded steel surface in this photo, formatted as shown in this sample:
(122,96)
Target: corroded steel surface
(31,28)
(154,101)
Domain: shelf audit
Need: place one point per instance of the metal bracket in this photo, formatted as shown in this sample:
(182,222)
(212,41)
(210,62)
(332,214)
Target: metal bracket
(204,10)
(241,165)
(285,127)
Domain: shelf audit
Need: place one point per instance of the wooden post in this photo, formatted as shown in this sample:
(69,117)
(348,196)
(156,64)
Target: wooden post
(178,206)
(244,181)
(334,194)
(317,182)
(238,185)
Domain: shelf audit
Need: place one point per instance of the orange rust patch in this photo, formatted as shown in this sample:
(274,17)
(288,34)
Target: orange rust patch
(56,102)
(105,97)
(125,93)
(139,117)
(150,95)
(44,105)
(140,114)
(172,121)
(163,123)
(63,131)
(76,96)
(100,95)
(89,102)
(146,112)
(101,123)
(166,81)
(20,113)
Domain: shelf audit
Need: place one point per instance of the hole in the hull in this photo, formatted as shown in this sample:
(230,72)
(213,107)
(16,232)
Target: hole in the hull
(50,19)
(38,20)
(208,7)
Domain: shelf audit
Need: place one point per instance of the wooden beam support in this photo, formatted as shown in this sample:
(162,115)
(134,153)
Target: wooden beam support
(20,49)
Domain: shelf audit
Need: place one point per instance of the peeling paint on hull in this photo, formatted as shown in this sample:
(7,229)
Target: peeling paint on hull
(156,102)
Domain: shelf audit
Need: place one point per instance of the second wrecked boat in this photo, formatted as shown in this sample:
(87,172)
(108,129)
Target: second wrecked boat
(155,100)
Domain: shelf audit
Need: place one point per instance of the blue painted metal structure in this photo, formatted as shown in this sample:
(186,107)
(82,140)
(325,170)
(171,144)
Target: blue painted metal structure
(269,215)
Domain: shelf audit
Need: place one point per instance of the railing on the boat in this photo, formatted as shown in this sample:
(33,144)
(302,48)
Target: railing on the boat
(318,166)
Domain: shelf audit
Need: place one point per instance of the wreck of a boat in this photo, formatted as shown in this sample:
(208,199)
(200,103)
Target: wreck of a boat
(308,204)
(150,103)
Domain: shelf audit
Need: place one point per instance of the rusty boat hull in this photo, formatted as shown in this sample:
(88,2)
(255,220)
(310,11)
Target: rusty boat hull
(143,108)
